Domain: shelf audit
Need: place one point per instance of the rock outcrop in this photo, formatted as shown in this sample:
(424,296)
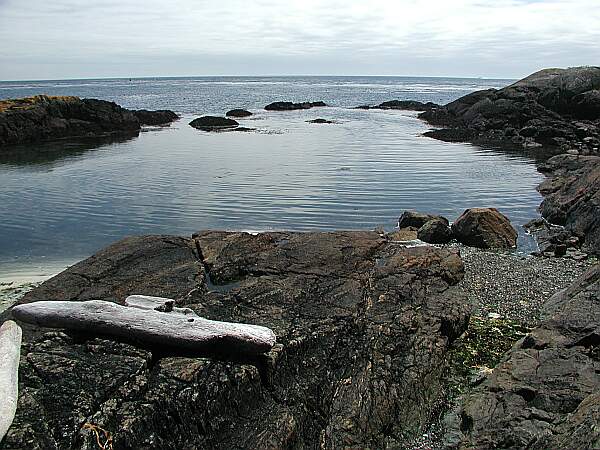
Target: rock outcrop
(322,121)
(43,118)
(362,326)
(213,123)
(572,197)
(484,228)
(238,113)
(159,117)
(545,394)
(552,108)
(290,106)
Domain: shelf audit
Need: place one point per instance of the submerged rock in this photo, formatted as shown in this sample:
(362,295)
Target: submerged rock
(290,106)
(320,121)
(159,117)
(238,113)
(484,228)
(362,327)
(43,118)
(408,105)
(545,393)
(212,123)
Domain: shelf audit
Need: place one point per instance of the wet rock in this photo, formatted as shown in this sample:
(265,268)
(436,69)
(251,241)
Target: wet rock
(435,231)
(362,326)
(484,228)
(545,392)
(320,121)
(408,105)
(43,118)
(416,219)
(159,117)
(290,106)
(238,113)
(213,123)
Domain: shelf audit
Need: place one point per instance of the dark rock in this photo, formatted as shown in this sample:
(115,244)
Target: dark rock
(362,326)
(435,231)
(320,121)
(290,106)
(43,118)
(408,105)
(542,107)
(572,197)
(159,117)
(484,228)
(238,113)
(544,395)
(403,234)
(212,123)
(416,219)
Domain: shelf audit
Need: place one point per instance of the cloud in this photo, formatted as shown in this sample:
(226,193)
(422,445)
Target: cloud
(509,38)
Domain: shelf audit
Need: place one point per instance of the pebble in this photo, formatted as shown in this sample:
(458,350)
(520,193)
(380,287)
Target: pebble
(515,286)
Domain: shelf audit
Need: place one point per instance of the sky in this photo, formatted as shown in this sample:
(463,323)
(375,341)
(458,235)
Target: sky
(66,39)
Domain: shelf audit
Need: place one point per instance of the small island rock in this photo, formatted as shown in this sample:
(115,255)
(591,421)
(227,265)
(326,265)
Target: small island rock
(210,123)
(238,113)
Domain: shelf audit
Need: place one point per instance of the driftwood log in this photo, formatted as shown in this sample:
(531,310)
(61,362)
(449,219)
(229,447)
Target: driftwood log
(10,352)
(167,333)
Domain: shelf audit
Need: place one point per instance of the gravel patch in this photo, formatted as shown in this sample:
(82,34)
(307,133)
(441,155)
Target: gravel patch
(513,286)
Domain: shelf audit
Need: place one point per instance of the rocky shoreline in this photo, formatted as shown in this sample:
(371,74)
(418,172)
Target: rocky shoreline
(380,344)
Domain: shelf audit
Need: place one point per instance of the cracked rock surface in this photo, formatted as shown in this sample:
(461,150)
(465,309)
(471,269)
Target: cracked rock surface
(363,326)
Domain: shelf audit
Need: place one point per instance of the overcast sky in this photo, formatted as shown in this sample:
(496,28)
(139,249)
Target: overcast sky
(43,39)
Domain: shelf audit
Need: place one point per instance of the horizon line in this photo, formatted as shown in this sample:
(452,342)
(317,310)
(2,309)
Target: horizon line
(251,76)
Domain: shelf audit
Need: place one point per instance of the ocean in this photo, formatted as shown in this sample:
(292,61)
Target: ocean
(61,202)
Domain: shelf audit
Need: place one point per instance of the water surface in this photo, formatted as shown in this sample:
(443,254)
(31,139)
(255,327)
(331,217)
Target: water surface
(63,201)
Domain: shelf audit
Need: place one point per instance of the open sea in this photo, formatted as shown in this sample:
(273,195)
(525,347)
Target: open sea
(63,201)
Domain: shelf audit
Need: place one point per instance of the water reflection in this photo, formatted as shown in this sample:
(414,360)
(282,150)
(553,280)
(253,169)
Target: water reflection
(54,152)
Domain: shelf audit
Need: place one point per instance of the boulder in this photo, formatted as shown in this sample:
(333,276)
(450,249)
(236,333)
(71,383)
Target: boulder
(435,231)
(44,118)
(484,228)
(362,325)
(159,117)
(416,219)
(212,123)
(544,394)
(238,113)
(290,106)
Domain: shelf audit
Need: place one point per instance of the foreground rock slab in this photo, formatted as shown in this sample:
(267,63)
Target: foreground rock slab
(10,352)
(362,326)
(158,331)
(545,394)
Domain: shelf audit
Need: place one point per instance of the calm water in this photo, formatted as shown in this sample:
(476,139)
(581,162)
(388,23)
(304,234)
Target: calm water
(61,202)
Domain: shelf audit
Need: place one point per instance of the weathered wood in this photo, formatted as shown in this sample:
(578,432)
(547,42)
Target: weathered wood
(169,334)
(10,352)
(157,304)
